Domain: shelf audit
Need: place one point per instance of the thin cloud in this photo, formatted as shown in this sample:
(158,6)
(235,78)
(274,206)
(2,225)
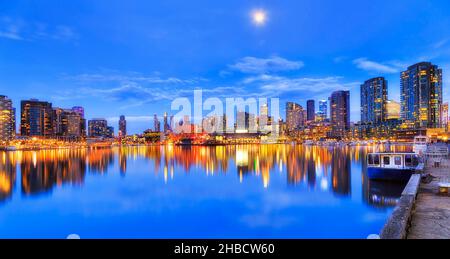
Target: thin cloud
(372,66)
(89,78)
(18,29)
(254,65)
(278,84)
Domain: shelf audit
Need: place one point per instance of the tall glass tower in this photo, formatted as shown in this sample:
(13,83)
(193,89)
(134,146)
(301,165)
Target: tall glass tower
(374,95)
(421,95)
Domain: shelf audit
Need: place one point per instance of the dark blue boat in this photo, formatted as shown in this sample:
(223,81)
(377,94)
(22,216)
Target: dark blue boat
(393,166)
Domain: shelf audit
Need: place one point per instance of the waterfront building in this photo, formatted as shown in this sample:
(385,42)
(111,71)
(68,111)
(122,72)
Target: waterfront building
(444,116)
(374,101)
(340,113)
(110,132)
(323,110)
(311,110)
(98,128)
(67,123)
(156,123)
(421,95)
(122,126)
(80,111)
(294,117)
(37,118)
(166,123)
(7,119)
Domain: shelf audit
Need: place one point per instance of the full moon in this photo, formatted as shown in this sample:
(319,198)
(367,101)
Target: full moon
(259,17)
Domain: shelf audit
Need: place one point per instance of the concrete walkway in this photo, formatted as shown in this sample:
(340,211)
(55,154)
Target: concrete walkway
(431,216)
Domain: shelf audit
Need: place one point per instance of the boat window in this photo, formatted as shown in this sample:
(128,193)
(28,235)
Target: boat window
(370,159)
(398,160)
(376,159)
(386,160)
(408,160)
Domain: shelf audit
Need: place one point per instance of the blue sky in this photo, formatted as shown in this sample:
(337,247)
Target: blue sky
(133,57)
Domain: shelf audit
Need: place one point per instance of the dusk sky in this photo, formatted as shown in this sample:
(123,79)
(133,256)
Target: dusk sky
(134,57)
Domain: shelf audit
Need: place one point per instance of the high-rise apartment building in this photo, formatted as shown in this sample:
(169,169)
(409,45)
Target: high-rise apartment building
(340,113)
(37,118)
(421,95)
(7,119)
(374,94)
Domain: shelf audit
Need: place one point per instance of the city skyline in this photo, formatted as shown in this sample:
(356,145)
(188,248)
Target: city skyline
(375,107)
(70,58)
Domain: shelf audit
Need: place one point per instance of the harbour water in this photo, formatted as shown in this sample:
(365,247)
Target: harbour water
(254,191)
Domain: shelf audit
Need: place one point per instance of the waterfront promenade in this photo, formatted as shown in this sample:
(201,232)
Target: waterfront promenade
(431,216)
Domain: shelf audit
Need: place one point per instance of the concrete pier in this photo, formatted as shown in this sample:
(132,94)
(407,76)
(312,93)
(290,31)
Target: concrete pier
(430,217)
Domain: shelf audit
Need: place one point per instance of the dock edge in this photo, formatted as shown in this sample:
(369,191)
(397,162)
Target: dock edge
(398,223)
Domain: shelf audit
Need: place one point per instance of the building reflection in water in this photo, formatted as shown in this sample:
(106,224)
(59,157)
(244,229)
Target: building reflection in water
(7,175)
(323,168)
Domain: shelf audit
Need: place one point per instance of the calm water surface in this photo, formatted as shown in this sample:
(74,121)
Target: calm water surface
(267,191)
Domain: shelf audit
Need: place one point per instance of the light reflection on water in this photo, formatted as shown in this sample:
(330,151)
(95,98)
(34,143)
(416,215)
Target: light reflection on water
(254,191)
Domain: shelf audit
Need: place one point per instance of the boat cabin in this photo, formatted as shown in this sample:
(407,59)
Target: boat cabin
(393,160)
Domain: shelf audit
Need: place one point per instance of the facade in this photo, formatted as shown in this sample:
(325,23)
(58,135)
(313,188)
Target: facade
(7,119)
(311,110)
(67,123)
(294,117)
(98,128)
(340,113)
(122,126)
(421,95)
(444,116)
(80,111)
(110,132)
(374,101)
(322,114)
(36,119)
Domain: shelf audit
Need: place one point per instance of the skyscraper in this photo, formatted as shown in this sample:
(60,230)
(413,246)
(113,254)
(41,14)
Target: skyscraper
(323,110)
(311,110)
(340,113)
(166,123)
(98,128)
(421,95)
(374,101)
(7,129)
(156,123)
(294,116)
(122,126)
(263,115)
(36,118)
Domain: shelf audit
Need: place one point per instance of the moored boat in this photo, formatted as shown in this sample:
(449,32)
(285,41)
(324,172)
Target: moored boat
(420,146)
(393,166)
